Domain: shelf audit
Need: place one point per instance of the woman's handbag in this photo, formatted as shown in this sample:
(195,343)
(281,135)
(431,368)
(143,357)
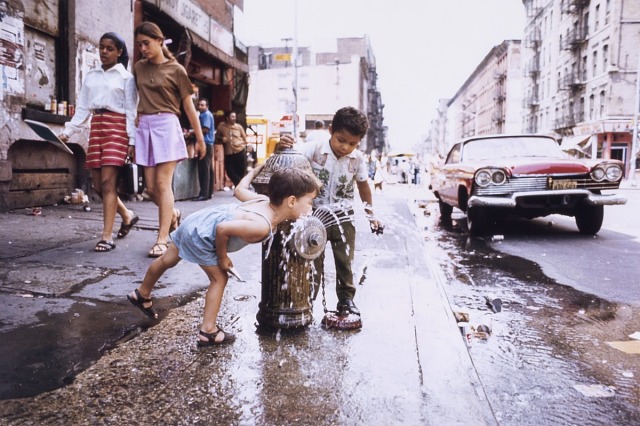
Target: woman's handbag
(131,179)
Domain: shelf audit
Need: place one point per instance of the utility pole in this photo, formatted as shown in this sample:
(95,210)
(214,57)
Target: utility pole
(634,141)
(295,69)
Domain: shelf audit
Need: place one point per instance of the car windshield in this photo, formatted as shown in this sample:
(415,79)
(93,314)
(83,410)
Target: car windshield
(483,149)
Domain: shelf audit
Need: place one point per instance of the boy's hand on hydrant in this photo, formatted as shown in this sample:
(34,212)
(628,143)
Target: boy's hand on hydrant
(286,141)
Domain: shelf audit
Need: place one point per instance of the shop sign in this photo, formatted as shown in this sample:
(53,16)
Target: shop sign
(187,13)
(221,38)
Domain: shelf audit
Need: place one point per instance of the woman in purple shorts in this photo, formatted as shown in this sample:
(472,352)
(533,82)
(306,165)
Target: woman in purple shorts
(163,86)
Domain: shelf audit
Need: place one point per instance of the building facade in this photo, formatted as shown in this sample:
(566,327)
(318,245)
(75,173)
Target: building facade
(490,100)
(582,61)
(319,85)
(48,47)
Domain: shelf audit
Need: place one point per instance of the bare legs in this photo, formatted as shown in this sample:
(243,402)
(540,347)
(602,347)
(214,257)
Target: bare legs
(158,181)
(104,183)
(213,299)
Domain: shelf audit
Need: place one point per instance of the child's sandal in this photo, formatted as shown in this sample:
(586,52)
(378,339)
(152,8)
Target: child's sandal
(211,338)
(139,302)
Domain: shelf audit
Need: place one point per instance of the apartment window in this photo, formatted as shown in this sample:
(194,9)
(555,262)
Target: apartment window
(584,68)
(606,11)
(605,57)
(585,25)
(591,107)
(581,112)
(596,22)
(602,102)
(595,63)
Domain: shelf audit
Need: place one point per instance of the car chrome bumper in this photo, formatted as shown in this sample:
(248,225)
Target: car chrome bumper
(511,201)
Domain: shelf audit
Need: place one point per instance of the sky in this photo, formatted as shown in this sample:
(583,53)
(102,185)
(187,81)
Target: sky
(424,49)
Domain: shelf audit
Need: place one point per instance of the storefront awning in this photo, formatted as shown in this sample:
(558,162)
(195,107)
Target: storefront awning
(217,53)
(574,143)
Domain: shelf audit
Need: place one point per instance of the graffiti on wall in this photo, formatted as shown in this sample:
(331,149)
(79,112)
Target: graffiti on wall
(11,54)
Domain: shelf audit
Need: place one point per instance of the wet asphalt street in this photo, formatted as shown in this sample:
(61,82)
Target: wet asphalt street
(75,352)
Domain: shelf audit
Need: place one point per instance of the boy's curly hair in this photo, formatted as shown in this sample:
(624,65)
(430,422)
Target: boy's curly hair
(352,120)
(289,181)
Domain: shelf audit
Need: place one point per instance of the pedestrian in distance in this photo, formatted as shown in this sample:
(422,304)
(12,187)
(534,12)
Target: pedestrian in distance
(163,86)
(319,133)
(207,236)
(205,170)
(341,167)
(108,96)
(234,138)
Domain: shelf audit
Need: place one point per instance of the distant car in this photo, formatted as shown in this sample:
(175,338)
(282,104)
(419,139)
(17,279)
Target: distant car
(491,177)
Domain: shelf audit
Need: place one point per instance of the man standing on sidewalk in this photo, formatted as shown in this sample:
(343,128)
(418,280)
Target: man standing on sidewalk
(205,171)
(234,139)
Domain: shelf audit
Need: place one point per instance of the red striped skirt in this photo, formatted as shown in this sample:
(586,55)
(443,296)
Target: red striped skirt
(108,140)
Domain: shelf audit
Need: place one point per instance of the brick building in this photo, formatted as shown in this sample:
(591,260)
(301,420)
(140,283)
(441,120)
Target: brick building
(49,45)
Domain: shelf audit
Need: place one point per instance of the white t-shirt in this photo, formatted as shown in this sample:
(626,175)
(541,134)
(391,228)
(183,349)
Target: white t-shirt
(338,175)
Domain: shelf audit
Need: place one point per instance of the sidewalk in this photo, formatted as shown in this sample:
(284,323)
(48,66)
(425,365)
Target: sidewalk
(407,365)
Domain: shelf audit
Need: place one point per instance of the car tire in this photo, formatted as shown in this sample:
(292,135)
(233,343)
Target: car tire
(445,211)
(589,219)
(476,220)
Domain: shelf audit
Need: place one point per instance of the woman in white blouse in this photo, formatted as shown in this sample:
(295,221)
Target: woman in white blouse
(109,97)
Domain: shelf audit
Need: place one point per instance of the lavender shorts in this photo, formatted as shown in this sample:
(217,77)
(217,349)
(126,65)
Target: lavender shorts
(159,139)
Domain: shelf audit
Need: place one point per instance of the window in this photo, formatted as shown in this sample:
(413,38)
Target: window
(585,25)
(591,107)
(596,22)
(605,57)
(584,68)
(607,11)
(602,103)
(595,63)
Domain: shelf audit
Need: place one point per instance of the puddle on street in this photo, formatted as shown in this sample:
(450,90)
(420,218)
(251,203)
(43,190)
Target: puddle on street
(546,360)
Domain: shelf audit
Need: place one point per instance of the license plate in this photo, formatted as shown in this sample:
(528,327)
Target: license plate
(564,184)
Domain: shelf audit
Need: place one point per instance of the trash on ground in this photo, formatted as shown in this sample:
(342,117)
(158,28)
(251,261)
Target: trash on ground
(628,347)
(635,335)
(494,303)
(461,316)
(596,391)
(77,197)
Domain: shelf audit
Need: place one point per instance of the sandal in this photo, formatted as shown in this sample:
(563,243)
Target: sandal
(104,246)
(126,227)
(139,302)
(157,250)
(175,223)
(211,338)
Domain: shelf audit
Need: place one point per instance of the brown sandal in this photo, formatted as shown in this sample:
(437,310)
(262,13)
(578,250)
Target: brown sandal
(139,302)
(211,338)
(157,250)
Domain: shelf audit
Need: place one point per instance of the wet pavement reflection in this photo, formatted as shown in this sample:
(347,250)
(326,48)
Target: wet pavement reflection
(546,360)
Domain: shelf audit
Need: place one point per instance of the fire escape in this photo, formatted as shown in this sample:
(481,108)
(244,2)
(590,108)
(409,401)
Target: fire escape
(573,80)
(500,90)
(376,134)
(532,42)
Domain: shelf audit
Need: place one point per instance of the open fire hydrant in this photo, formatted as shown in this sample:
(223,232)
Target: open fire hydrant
(286,259)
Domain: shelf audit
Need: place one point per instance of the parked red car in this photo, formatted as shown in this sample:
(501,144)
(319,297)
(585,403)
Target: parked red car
(490,177)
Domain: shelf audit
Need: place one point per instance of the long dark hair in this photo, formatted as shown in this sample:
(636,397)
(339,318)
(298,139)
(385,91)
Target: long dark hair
(121,45)
(150,29)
